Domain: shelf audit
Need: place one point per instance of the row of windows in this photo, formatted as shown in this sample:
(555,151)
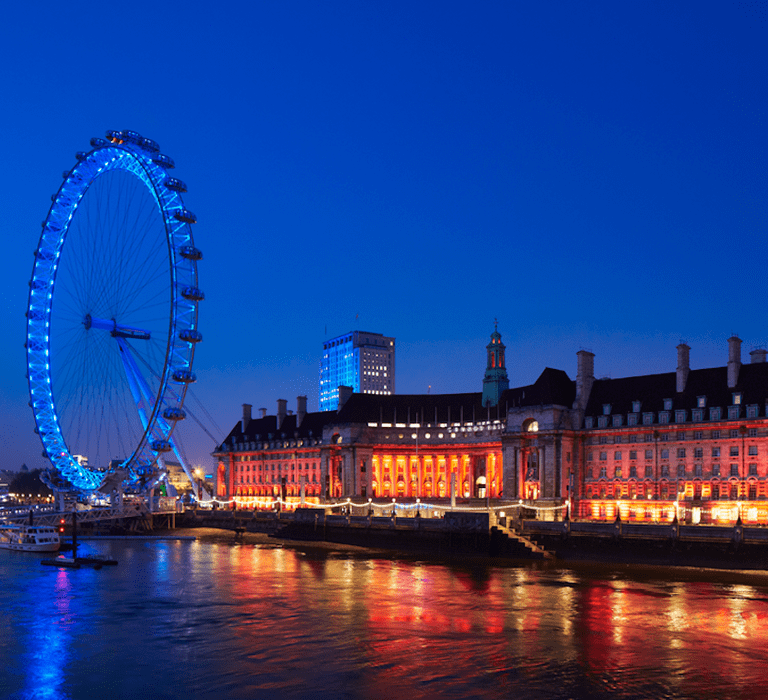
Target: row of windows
(701,402)
(273,467)
(682,453)
(698,415)
(273,480)
(682,471)
(679,436)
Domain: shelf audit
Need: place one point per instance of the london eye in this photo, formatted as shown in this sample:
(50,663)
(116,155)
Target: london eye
(112,319)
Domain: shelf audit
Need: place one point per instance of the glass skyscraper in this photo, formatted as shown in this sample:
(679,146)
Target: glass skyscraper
(361,360)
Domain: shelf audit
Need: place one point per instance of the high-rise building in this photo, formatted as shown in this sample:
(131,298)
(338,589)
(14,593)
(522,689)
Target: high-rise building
(360,360)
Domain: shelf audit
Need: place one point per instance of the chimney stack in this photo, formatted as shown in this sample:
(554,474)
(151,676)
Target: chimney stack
(585,377)
(757,356)
(262,413)
(344,393)
(734,360)
(683,366)
(246,416)
(301,409)
(282,406)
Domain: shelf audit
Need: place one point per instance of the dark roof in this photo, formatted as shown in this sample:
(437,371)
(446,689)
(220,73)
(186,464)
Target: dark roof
(652,389)
(415,408)
(552,388)
(260,429)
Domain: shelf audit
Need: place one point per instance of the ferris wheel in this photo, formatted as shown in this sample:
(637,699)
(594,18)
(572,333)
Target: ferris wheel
(112,316)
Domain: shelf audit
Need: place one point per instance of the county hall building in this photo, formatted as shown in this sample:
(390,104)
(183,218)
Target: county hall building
(689,442)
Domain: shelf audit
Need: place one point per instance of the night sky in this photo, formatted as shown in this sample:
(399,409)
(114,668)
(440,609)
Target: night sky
(591,174)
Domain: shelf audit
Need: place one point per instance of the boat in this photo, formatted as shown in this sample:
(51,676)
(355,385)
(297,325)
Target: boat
(29,538)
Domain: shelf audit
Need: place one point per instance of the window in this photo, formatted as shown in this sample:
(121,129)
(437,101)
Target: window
(715,491)
(752,450)
(647,418)
(649,454)
(681,434)
(648,471)
(680,416)
(664,437)
(617,455)
(715,470)
(733,451)
(603,440)
(633,454)
(636,407)
(697,435)
(589,456)
(697,471)
(752,411)
(715,434)
(752,432)
(603,456)
(665,454)
(663,417)
(701,401)
(698,452)
(733,412)
(633,438)
(649,437)
(697,415)
(665,470)
(753,469)
(617,472)
(681,470)
(632,419)
(734,469)
(606,409)
(681,453)
(633,472)
(617,421)
(714,413)
(667,404)
(588,422)
(602,421)
(737,399)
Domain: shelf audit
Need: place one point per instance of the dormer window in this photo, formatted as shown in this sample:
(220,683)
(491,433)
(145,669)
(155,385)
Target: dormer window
(636,407)
(737,399)
(606,409)
(667,404)
(701,401)
(588,422)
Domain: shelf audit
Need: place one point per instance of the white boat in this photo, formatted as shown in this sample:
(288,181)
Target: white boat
(29,538)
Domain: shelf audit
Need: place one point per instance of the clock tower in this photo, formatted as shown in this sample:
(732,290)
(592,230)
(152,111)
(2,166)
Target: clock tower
(495,380)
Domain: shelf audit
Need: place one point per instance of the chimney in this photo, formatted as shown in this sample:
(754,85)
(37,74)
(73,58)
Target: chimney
(757,356)
(734,360)
(246,416)
(344,393)
(282,405)
(301,409)
(585,376)
(683,366)
(262,413)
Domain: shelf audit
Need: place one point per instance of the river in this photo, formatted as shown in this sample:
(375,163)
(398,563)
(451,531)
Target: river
(213,619)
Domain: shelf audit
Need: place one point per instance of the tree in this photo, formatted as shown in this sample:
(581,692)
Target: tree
(29,483)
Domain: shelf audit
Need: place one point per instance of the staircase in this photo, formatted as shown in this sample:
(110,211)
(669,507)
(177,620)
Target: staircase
(527,543)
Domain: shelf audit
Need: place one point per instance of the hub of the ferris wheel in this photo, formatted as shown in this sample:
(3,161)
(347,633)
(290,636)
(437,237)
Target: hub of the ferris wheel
(115,330)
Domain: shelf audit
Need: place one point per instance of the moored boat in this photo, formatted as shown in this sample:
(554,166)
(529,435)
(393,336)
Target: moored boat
(29,538)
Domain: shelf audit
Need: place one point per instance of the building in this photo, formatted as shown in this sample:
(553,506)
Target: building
(360,360)
(689,443)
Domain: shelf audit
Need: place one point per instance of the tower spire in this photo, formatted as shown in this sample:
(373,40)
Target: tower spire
(495,380)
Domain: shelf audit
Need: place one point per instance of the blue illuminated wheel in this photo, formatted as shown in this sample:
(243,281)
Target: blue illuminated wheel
(112,315)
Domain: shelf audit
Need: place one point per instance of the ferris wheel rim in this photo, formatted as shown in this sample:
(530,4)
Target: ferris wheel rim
(125,152)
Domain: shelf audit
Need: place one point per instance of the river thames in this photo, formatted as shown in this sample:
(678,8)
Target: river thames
(213,619)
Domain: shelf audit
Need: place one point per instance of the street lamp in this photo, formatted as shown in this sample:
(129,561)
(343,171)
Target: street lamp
(199,477)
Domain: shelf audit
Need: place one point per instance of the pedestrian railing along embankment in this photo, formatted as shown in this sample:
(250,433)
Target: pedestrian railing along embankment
(135,510)
(647,531)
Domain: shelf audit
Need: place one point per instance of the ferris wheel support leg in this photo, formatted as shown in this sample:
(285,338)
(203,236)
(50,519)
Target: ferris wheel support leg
(142,396)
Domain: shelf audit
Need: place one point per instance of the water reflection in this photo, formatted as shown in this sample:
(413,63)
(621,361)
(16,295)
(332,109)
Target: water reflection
(214,620)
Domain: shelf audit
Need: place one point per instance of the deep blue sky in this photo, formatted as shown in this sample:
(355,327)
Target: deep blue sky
(592,174)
